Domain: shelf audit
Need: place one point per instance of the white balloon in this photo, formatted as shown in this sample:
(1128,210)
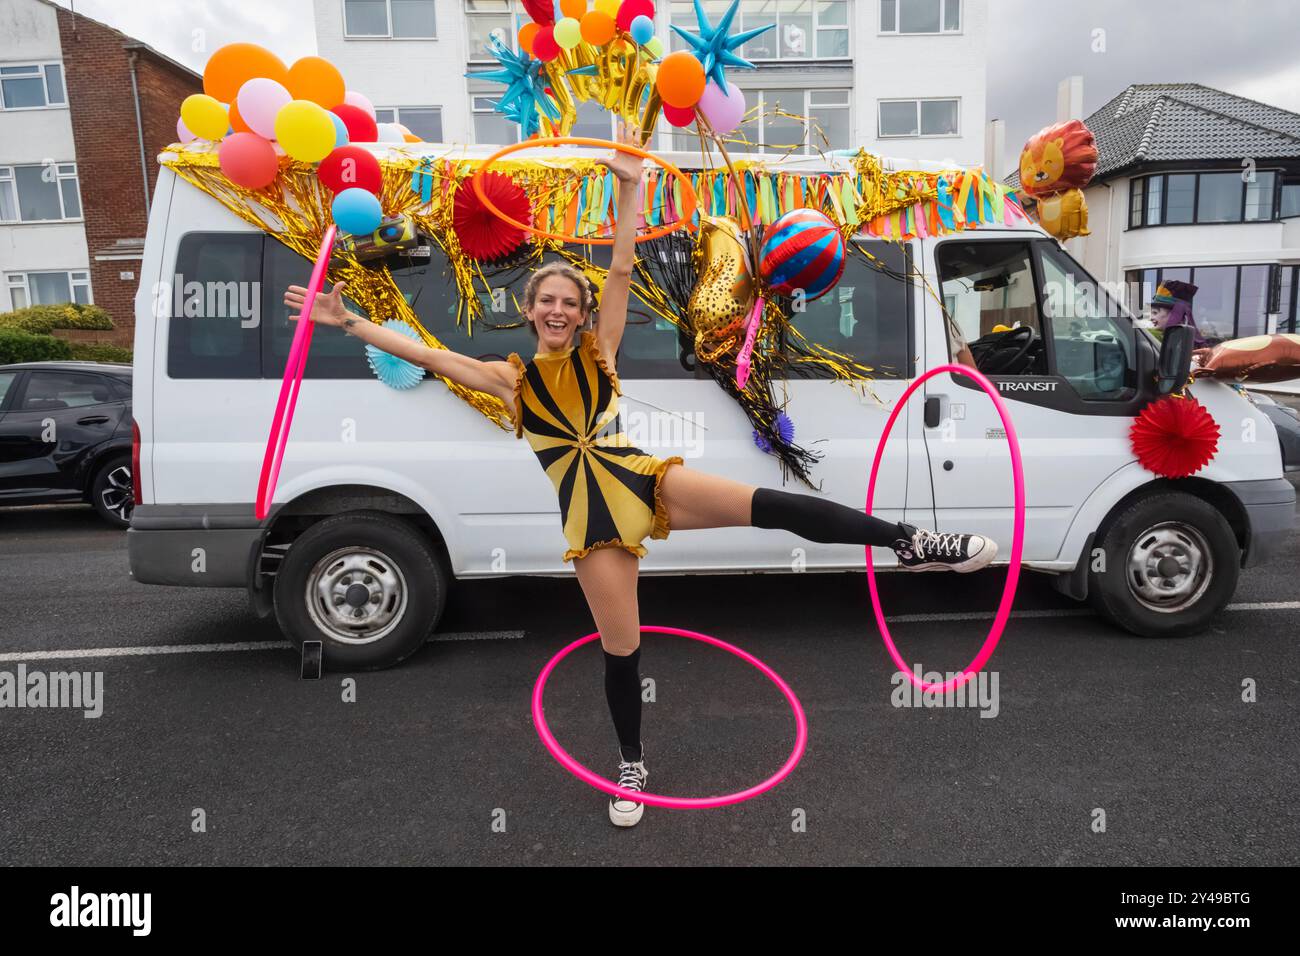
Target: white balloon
(389,133)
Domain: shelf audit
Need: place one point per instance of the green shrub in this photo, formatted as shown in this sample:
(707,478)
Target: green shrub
(40,319)
(97,352)
(19,346)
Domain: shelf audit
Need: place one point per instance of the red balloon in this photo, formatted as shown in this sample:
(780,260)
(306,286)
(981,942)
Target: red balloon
(544,46)
(630,10)
(248,160)
(349,166)
(679,116)
(362,127)
(542,11)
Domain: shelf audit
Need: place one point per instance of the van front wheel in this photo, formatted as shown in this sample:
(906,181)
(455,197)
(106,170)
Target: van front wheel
(366,584)
(1170,564)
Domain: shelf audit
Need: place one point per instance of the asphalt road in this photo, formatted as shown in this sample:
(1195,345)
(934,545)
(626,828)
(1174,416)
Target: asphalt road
(437,761)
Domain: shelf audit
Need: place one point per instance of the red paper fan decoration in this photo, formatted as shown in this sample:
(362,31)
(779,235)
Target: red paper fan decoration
(1174,437)
(482,235)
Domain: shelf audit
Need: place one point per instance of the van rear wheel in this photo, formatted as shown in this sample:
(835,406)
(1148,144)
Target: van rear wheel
(367,585)
(1171,564)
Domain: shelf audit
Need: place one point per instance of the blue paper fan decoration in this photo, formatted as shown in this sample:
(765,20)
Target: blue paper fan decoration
(391,370)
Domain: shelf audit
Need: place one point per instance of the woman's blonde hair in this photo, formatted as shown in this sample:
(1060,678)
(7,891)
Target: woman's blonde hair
(585,293)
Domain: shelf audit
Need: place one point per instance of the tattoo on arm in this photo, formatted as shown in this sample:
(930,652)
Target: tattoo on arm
(348,323)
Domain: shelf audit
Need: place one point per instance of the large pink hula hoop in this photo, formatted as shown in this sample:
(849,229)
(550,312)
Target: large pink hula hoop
(296,364)
(1018,537)
(673,803)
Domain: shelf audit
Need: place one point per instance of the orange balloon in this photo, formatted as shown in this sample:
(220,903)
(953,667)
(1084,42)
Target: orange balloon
(235,64)
(681,80)
(597,28)
(316,79)
(526,34)
(411,138)
(236,121)
(573,8)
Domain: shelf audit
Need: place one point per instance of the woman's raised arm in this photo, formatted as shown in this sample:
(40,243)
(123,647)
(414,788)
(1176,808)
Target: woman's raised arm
(614,297)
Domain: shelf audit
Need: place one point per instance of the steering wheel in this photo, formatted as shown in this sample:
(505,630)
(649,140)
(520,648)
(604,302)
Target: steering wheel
(995,352)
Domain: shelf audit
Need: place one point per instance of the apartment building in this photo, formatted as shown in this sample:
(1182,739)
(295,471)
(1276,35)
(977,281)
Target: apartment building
(900,77)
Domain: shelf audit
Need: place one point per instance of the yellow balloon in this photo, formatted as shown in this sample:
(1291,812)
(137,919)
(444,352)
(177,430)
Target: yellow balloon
(724,293)
(1064,215)
(608,7)
(205,116)
(305,130)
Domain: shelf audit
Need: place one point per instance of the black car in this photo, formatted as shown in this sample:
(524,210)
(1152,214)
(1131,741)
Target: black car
(65,435)
(1287,422)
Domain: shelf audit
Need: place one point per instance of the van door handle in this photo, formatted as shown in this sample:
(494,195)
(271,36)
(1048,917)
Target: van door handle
(92,420)
(933,411)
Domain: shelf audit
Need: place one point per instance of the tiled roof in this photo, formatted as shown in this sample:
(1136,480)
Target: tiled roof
(1162,122)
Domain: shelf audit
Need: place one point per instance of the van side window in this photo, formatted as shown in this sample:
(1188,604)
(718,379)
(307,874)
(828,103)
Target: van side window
(652,346)
(990,302)
(1094,344)
(333,353)
(214,303)
(430,289)
(867,316)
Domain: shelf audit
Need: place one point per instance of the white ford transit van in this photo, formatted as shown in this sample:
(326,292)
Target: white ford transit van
(387,497)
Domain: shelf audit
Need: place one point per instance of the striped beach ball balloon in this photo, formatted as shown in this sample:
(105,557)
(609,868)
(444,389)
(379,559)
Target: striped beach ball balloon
(802,250)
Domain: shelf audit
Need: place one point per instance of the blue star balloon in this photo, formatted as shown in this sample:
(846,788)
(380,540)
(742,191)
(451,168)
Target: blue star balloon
(525,96)
(713,45)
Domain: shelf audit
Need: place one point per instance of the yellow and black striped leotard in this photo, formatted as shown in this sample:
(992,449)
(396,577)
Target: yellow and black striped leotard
(566,404)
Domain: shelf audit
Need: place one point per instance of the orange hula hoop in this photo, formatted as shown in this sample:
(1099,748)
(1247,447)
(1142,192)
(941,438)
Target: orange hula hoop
(684,216)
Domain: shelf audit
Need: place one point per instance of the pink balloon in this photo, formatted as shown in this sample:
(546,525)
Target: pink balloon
(183,131)
(361,101)
(259,100)
(724,111)
(248,160)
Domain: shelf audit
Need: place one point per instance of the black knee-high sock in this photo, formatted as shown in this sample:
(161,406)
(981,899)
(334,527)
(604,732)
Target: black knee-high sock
(818,519)
(623,692)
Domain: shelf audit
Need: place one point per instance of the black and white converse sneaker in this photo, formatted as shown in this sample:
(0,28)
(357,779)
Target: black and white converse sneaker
(931,551)
(632,775)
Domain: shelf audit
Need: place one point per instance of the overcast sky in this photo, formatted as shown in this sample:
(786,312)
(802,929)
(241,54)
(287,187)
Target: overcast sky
(1247,47)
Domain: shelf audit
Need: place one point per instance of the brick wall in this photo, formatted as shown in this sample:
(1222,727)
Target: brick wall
(97,70)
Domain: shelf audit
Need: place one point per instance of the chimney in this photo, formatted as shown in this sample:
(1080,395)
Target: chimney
(1069,99)
(995,145)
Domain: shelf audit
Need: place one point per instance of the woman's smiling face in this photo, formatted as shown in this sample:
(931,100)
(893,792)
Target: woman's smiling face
(557,313)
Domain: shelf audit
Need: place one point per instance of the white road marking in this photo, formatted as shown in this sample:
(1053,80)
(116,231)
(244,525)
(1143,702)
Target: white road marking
(88,652)
(16,656)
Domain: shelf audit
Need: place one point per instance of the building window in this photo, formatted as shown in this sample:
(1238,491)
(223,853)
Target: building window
(486,18)
(399,19)
(424,121)
(35,86)
(48,288)
(805,29)
(42,193)
(1213,197)
(919,117)
(1290,200)
(920,16)
(489,125)
(1231,302)
(771,130)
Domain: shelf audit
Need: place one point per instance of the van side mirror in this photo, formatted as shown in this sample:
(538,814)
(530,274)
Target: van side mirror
(1175,359)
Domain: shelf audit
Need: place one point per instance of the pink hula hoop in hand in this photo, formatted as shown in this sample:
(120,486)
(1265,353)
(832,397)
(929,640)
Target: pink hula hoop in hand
(289,387)
(1018,536)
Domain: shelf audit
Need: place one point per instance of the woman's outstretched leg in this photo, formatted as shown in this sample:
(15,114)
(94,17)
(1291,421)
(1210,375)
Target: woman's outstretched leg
(608,577)
(699,500)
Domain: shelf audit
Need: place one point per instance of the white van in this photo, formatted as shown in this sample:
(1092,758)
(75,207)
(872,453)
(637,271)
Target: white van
(387,497)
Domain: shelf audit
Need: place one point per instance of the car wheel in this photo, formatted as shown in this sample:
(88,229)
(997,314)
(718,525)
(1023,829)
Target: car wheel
(367,585)
(1171,564)
(111,493)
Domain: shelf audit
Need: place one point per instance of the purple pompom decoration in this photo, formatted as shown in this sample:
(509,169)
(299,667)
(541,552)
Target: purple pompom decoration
(784,427)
